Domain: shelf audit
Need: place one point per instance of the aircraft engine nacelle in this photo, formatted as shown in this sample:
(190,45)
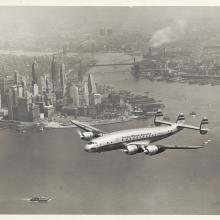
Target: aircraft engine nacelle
(153,149)
(87,136)
(131,149)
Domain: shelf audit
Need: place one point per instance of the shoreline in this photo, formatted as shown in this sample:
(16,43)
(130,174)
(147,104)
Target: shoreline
(57,125)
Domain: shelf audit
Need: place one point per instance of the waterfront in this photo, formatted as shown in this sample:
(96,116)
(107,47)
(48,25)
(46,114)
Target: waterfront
(54,164)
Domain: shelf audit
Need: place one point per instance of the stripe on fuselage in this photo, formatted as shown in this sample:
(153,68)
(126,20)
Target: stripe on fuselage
(112,144)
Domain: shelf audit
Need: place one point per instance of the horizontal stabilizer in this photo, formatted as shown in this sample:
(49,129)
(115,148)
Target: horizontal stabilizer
(203,126)
(189,127)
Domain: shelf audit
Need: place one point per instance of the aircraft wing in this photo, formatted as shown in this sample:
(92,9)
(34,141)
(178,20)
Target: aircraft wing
(183,147)
(86,127)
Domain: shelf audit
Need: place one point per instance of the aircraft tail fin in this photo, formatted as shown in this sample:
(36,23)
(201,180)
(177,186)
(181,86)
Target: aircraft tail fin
(158,117)
(180,119)
(204,126)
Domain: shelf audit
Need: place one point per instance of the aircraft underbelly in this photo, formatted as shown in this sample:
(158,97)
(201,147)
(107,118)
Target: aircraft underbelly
(112,147)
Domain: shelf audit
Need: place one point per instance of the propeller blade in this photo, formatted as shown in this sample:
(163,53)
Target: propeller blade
(79,133)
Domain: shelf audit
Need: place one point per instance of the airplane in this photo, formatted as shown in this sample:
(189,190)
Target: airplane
(133,141)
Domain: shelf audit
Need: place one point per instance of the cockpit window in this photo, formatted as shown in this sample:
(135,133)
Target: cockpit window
(91,142)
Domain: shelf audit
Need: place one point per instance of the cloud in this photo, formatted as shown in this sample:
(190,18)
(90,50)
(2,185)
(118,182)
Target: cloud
(169,34)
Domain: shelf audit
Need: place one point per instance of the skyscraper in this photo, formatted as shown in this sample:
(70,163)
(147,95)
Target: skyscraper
(86,94)
(16,77)
(97,99)
(12,102)
(2,84)
(76,96)
(91,84)
(70,93)
(24,85)
(62,78)
(35,89)
(47,85)
(54,73)
(42,84)
(73,95)
(20,90)
(34,73)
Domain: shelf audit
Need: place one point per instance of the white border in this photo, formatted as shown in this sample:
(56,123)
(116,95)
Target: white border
(129,3)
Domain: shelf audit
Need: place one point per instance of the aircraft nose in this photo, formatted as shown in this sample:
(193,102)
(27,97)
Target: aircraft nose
(87,148)
(90,148)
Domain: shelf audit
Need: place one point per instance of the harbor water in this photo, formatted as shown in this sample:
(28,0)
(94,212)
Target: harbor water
(54,164)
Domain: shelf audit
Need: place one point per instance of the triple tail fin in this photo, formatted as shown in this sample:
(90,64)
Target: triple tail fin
(180,119)
(204,126)
(158,117)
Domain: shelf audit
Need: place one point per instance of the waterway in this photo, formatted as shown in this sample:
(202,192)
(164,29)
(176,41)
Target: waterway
(54,164)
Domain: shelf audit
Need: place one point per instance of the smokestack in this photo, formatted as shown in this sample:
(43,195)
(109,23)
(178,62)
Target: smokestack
(150,51)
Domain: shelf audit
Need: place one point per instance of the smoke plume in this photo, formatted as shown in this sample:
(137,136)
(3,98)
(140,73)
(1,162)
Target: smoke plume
(169,34)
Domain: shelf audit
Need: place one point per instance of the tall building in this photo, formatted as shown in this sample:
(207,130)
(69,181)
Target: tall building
(73,95)
(12,102)
(70,93)
(2,84)
(0,102)
(24,85)
(54,73)
(76,96)
(42,84)
(86,94)
(20,90)
(35,90)
(62,78)
(80,74)
(26,110)
(34,73)
(47,84)
(91,84)
(97,99)
(23,108)
(16,77)
(13,93)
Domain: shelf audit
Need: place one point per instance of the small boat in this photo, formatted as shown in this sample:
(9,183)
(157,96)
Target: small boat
(40,199)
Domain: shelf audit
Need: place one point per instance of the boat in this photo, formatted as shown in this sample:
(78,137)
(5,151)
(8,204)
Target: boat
(40,199)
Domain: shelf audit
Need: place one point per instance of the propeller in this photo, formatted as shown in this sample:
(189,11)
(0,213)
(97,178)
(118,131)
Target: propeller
(79,133)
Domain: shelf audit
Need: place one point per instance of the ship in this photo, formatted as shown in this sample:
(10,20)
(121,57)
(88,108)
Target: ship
(40,199)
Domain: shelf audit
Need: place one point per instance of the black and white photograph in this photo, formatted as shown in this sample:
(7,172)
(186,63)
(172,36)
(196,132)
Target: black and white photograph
(109,110)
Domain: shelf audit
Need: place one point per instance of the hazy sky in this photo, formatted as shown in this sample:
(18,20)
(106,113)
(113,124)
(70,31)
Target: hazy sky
(51,20)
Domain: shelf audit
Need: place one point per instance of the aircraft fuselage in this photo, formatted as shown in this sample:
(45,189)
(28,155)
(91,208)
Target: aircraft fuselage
(119,139)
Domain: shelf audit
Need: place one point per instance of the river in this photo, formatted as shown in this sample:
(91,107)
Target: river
(53,163)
